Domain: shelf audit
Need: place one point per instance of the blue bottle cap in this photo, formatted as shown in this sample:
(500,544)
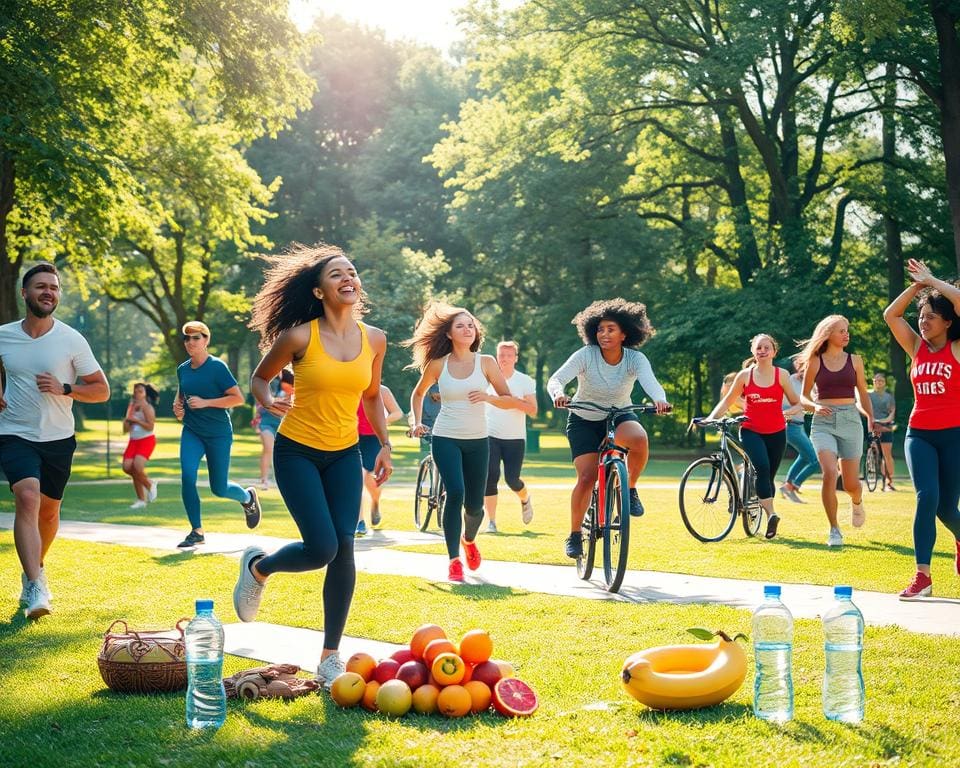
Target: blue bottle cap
(204,605)
(843,591)
(771,590)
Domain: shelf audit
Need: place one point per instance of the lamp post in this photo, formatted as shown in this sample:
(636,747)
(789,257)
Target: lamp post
(108,379)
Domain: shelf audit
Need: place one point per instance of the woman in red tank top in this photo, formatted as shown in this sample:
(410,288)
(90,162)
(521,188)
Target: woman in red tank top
(764,434)
(932,445)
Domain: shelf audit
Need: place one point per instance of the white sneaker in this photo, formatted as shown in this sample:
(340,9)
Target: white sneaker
(248,591)
(38,601)
(152,493)
(138,504)
(858,514)
(329,668)
(835,538)
(24,597)
(526,510)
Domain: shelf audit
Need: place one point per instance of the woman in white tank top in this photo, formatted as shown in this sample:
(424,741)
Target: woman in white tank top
(446,348)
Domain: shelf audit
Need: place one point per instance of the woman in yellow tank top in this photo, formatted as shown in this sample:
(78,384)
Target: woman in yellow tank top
(307,312)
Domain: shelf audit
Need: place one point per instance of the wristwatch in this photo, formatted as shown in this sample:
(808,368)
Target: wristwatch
(67,389)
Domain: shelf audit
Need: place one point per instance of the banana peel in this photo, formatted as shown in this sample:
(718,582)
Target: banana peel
(679,677)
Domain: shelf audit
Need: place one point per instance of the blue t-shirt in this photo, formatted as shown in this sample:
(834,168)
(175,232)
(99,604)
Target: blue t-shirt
(210,381)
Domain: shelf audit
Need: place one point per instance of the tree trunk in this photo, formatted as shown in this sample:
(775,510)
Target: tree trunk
(9,267)
(748,255)
(949,53)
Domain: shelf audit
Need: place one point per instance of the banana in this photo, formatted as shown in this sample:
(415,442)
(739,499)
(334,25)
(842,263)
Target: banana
(685,676)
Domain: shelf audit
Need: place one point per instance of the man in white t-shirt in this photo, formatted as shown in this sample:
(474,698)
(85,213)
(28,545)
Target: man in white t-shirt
(41,360)
(507,435)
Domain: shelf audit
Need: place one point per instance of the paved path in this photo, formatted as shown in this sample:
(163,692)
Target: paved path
(937,616)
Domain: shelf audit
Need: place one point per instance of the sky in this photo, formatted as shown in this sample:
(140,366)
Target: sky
(432,22)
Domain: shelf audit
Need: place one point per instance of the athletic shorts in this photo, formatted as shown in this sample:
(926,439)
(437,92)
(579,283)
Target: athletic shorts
(49,462)
(585,436)
(886,437)
(369,448)
(141,447)
(841,432)
(269,423)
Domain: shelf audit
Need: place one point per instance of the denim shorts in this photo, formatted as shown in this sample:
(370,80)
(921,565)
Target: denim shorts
(841,432)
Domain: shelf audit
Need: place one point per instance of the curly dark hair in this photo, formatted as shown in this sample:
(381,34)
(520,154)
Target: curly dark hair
(631,316)
(287,299)
(940,304)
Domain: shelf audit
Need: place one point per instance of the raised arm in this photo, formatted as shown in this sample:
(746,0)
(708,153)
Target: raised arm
(906,337)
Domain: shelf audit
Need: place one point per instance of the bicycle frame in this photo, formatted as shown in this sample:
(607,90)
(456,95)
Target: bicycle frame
(730,449)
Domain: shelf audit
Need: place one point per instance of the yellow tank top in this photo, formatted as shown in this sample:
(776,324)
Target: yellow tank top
(324,411)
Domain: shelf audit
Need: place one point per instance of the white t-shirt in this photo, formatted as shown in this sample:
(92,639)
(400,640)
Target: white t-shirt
(510,424)
(31,414)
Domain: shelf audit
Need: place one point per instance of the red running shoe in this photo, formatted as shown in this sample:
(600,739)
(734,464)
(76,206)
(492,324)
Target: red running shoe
(472,552)
(456,571)
(921,586)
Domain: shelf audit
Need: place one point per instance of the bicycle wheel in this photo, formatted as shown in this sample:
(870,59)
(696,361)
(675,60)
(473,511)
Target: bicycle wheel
(872,468)
(588,534)
(752,512)
(439,499)
(422,495)
(616,526)
(708,502)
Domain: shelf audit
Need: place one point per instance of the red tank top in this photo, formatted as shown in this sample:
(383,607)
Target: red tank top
(836,385)
(763,406)
(363,423)
(936,388)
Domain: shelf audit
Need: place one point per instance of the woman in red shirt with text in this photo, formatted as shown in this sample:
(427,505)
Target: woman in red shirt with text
(932,444)
(764,434)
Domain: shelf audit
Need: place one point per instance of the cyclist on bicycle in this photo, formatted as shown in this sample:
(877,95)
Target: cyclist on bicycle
(606,368)
(764,433)
(884,412)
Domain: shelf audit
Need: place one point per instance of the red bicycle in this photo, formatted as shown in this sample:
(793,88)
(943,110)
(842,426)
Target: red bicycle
(608,516)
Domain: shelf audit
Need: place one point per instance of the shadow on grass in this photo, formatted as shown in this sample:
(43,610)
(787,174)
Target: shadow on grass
(475,591)
(872,546)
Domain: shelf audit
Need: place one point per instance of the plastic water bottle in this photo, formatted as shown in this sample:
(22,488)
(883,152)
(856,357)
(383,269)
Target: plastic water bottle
(844,696)
(772,652)
(206,697)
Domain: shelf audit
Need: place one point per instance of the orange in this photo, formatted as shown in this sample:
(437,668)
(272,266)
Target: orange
(369,700)
(448,669)
(347,689)
(435,648)
(363,664)
(454,701)
(476,647)
(425,699)
(424,635)
(467,673)
(479,695)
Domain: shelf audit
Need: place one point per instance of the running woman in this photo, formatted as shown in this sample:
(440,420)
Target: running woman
(797,438)
(446,351)
(41,360)
(369,448)
(507,430)
(763,387)
(606,367)
(206,391)
(138,422)
(932,445)
(836,432)
(308,314)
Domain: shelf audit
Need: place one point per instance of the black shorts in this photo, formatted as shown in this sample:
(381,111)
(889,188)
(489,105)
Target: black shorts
(49,462)
(369,448)
(510,453)
(886,437)
(585,436)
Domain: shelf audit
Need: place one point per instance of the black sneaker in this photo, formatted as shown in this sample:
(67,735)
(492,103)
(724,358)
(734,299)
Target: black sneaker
(193,538)
(574,545)
(251,510)
(772,522)
(636,507)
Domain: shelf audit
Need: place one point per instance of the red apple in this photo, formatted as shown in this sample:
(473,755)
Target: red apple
(413,673)
(402,656)
(385,670)
(487,672)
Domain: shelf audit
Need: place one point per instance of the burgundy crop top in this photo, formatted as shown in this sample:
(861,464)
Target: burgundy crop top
(836,385)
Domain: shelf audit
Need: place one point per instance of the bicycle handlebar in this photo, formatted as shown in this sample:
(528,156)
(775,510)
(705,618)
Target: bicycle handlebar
(615,410)
(722,422)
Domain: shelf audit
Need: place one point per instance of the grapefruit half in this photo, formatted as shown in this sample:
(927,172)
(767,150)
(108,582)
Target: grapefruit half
(514,698)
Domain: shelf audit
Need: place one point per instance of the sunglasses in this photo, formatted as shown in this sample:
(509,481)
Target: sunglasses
(193,336)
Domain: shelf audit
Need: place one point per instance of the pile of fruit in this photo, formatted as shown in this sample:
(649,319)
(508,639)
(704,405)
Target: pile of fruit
(435,675)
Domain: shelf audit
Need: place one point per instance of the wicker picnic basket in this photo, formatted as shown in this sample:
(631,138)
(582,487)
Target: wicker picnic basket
(150,661)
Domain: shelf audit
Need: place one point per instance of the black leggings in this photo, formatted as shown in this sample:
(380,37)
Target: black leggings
(766,453)
(322,491)
(463,467)
(510,452)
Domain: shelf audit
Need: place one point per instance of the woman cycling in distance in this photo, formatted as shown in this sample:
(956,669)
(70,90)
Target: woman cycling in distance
(369,448)
(606,368)
(138,421)
(932,445)
(806,462)
(836,432)
(764,434)
(267,424)
(446,351)
(308,315)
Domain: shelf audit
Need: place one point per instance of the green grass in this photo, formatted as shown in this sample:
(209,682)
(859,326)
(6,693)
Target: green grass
(58,711)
